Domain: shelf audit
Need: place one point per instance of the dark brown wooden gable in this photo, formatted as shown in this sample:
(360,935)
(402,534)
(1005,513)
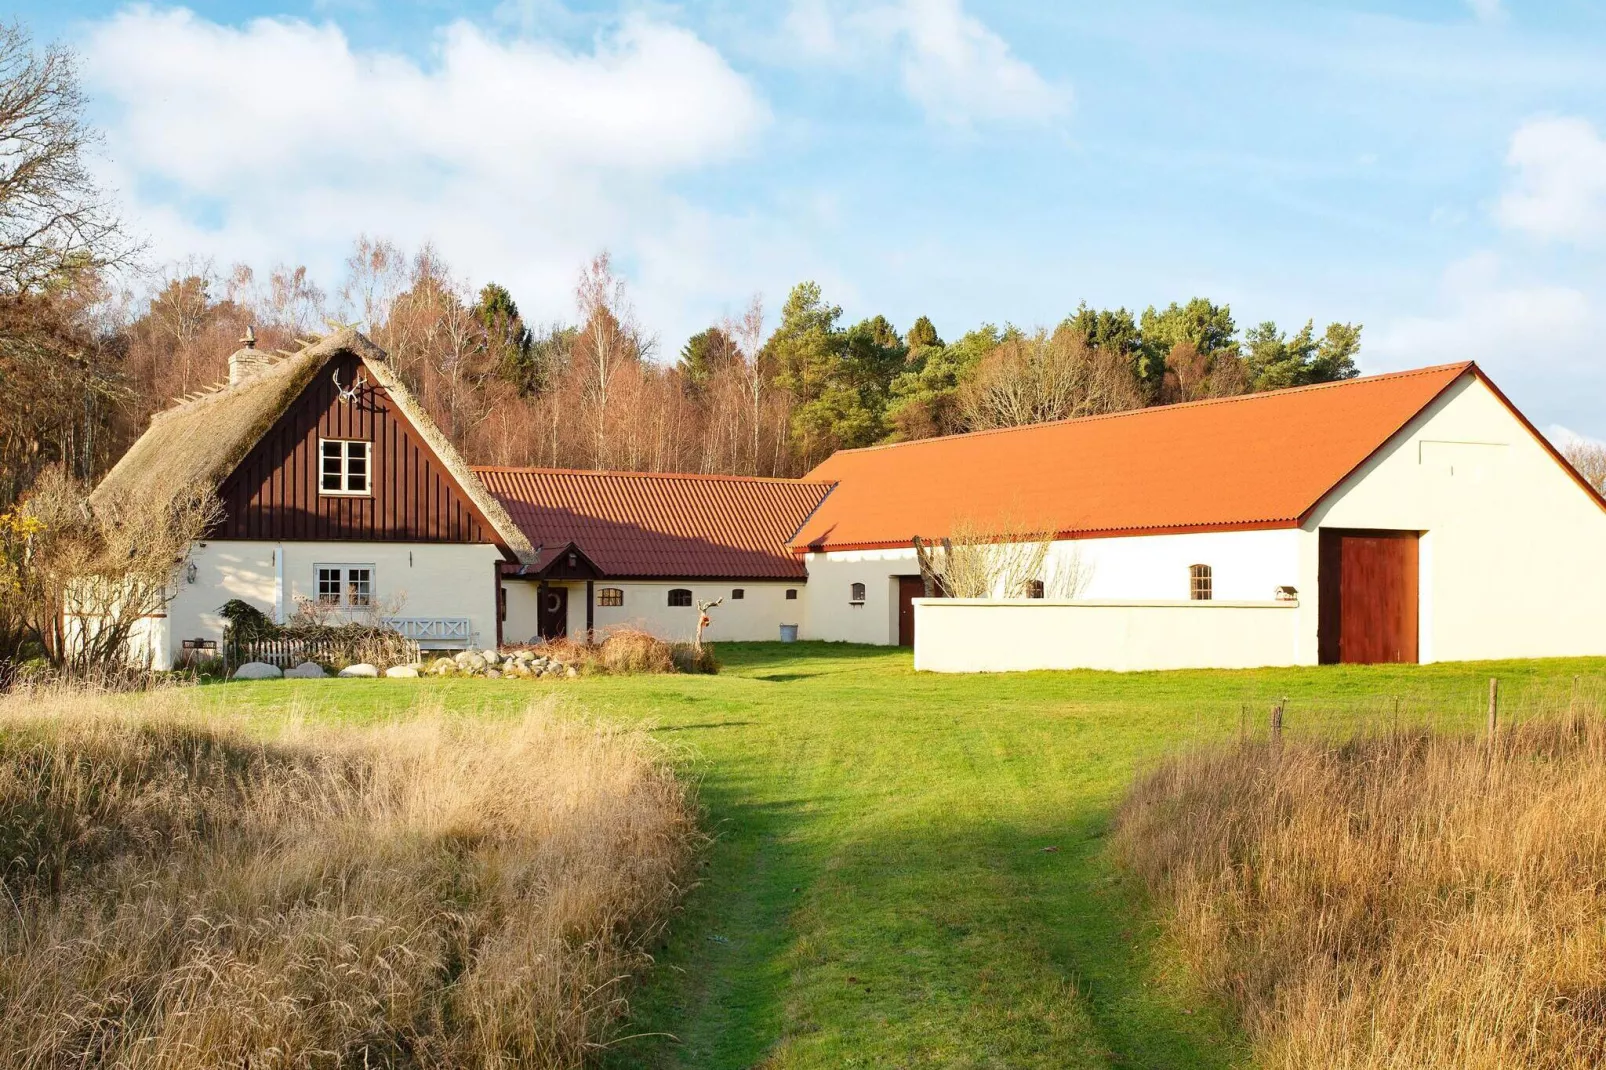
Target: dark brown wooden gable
(273,494)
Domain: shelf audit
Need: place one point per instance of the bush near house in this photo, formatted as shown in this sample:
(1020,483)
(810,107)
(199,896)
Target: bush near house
(429,893)
(1396,899)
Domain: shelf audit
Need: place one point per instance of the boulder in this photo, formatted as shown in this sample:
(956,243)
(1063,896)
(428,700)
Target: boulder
(443,667)
(492,674)
(491,657)
(258,670)
(570,671)
(402,672)
(468,661)
(360,670)
(307,670)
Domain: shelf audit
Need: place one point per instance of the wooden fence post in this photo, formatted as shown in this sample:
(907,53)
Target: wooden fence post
(1494,706)
(1277,721)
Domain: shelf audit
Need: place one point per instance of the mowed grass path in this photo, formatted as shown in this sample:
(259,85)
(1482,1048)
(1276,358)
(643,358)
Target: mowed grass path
(909,869)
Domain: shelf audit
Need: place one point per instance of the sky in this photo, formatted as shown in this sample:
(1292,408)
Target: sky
(1435,171)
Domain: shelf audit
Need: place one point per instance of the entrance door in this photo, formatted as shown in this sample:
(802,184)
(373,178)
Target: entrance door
(1368,587)
(909,588)
(552,614)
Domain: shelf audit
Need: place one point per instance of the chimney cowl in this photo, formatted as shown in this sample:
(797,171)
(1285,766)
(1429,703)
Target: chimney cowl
(246,362)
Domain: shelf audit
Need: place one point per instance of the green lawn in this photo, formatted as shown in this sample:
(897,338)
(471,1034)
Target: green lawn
(909,870)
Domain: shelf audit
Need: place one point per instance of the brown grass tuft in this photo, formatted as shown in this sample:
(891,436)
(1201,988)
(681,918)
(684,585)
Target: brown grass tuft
(627,651)
(431,892)
(1400,899)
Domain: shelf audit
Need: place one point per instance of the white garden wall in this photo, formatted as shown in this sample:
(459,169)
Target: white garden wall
(987,635)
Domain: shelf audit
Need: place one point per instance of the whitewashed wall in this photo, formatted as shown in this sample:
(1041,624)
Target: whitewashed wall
(758,615)
(414,579)
(988,635)
(1245,565)
(1513,552)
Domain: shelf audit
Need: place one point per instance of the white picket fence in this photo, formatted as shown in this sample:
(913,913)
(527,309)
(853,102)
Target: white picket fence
(288,653)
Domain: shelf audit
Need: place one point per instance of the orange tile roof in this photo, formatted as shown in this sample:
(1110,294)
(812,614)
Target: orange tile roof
(1258,461)
(635,524)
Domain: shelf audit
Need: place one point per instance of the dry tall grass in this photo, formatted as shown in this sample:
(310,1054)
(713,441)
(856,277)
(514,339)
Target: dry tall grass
(1400,899)
(426,893)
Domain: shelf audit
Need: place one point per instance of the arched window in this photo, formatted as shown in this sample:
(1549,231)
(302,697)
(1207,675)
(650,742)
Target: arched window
(856,594)
(680,596)
(1199,583)
(610,596)
(1034,589)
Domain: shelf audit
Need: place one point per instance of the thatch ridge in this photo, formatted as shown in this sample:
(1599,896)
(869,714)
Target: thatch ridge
(201,440)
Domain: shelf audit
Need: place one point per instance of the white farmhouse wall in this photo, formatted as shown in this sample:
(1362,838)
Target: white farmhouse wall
(757,615)
(1513,551)
(410,580)
(1245,565)
(985,635)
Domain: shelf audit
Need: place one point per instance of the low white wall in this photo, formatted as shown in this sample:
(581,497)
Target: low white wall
(757,615)
(986,635)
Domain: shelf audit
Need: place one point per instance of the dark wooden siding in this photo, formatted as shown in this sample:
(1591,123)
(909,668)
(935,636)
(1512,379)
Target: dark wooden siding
(273,494)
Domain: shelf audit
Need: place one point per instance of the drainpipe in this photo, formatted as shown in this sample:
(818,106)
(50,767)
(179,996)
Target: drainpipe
(278,584)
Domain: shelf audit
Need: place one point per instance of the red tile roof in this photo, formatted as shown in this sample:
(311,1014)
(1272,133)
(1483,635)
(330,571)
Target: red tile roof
(1259,461)
(634,524)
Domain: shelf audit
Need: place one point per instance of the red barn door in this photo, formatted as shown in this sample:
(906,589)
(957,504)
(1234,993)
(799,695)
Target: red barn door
(1368,594)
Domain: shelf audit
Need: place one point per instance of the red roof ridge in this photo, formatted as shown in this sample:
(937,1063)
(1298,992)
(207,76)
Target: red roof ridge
(623,473)
(1149,410)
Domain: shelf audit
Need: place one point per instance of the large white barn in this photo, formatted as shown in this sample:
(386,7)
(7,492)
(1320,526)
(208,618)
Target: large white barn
(1407,517)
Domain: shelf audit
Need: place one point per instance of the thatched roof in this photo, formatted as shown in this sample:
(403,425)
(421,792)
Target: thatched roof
(201,440)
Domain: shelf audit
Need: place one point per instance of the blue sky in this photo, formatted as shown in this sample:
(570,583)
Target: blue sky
(1435,171)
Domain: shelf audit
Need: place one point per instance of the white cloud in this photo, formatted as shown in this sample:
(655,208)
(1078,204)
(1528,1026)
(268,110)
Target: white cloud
(950,63)
(280,140)
(1558,190)
(1486,10)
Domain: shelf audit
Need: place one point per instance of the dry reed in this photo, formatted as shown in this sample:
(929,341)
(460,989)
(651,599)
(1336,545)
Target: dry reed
(1403,898)
(431,892)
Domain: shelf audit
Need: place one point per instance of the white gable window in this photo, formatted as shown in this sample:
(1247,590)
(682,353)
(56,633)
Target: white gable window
(344,466)
(351,586)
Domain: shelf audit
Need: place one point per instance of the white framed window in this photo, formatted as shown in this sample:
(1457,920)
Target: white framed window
(345,466)
(856,595)
(351,586)
(611,596)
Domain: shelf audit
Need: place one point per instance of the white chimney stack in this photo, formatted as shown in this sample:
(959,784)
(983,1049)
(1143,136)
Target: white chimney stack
(244,363)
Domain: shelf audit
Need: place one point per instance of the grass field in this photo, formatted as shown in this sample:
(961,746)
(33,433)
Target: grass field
(911,870)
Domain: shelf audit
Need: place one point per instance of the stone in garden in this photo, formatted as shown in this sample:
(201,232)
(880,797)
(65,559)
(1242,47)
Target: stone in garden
(492,674)
(307,670)
(402,672)
(469,661)
(571,672)
(361,669)
(443,667)
(491,657)
(258,670)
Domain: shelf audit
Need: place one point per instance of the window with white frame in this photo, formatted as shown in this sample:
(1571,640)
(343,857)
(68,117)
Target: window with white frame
(856,594)
(351,586)
(345,466)
(610,596)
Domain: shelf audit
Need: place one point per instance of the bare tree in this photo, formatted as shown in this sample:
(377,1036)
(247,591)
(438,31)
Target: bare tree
(1031,379)
(1002,560)
(1590,460)
(54,219)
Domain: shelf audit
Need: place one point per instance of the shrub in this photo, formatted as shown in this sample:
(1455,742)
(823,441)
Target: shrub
(1397,899)
(690,658)
(628,651)
(426,893)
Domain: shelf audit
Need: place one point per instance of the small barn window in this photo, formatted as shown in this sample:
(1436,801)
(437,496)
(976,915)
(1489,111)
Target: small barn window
(612,596)
(856,594)
(737,594)
(680,596)
(344,466)
(1034,589)
(791,594)
(1199,583)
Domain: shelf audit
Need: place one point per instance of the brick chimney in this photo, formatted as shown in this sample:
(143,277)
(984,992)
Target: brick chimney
(244,363)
